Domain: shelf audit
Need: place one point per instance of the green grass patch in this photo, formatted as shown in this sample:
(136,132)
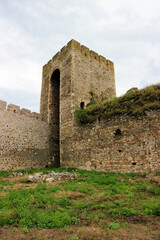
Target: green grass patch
(92,197)
(114,226)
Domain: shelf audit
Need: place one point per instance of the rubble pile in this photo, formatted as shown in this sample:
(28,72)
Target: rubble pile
(51,177)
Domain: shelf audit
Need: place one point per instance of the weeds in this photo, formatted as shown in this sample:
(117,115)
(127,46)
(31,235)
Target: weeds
(133,103)
(114,226)
(103,195)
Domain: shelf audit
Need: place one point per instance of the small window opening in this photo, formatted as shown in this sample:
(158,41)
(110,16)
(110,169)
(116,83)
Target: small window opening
(85,54)
(134,163)
(118,133)
(119,150)
(14,111)
(82,105)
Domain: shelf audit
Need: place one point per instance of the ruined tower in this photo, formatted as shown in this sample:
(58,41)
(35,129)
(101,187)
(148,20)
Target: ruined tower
(68,78)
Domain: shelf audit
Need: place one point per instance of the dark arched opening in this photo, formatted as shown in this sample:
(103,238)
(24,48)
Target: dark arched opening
(82,105)
(55,116)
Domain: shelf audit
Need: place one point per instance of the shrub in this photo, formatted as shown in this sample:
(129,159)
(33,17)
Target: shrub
(74,238)
(81,116)
(113,211)
(53,220)
(151,209)
(25,230)
(82,205)
(64,202)
(7,217)
(114,226)
(128,211)
(54,189)
(155,190)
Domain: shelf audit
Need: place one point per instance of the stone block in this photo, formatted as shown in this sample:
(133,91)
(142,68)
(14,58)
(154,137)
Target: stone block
(26,112)
(3,105)
(13,108)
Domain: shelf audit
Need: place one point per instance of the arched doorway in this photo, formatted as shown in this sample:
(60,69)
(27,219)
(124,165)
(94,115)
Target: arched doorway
(55,116)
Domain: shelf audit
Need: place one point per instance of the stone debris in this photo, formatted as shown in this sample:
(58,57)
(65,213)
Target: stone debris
(51,177)
(15,174)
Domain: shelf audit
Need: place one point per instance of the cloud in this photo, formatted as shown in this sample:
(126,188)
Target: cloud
(127,32)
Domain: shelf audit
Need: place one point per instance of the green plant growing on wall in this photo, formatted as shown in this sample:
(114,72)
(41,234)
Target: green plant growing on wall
(93,97)
(81,116)
(133,103)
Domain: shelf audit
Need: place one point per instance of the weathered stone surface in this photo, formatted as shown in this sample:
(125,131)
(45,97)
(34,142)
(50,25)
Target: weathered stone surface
(98,146)
(51,177)
(24,141)
(68,78)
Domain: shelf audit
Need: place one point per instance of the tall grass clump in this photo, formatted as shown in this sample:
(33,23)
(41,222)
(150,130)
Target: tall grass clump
(133,103)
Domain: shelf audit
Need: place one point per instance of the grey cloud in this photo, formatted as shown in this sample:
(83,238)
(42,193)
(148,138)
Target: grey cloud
(33,31)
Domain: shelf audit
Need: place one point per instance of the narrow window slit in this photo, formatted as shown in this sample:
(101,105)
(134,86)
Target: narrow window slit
(82,105)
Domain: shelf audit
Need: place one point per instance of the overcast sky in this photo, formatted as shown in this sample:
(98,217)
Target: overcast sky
(31,32)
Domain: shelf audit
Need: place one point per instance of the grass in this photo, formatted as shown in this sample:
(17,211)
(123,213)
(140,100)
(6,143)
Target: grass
(134,103)
(95,198)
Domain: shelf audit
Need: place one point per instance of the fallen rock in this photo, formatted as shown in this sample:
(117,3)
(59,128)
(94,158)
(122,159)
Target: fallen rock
(30,178)
(19,174)
(51,177)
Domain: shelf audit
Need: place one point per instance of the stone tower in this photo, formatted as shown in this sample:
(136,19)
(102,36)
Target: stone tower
(68,78)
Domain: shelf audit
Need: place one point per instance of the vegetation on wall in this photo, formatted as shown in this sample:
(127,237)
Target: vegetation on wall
(134,103)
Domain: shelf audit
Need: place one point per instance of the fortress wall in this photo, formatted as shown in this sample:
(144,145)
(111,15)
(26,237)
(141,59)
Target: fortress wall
(24,138)
(120,144)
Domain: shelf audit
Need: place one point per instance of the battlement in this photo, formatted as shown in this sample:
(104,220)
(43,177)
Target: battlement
(17,110)
(86,52)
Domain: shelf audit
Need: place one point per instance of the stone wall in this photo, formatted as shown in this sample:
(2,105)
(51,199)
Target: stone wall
(24,139)
(81,71)
(120,144)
